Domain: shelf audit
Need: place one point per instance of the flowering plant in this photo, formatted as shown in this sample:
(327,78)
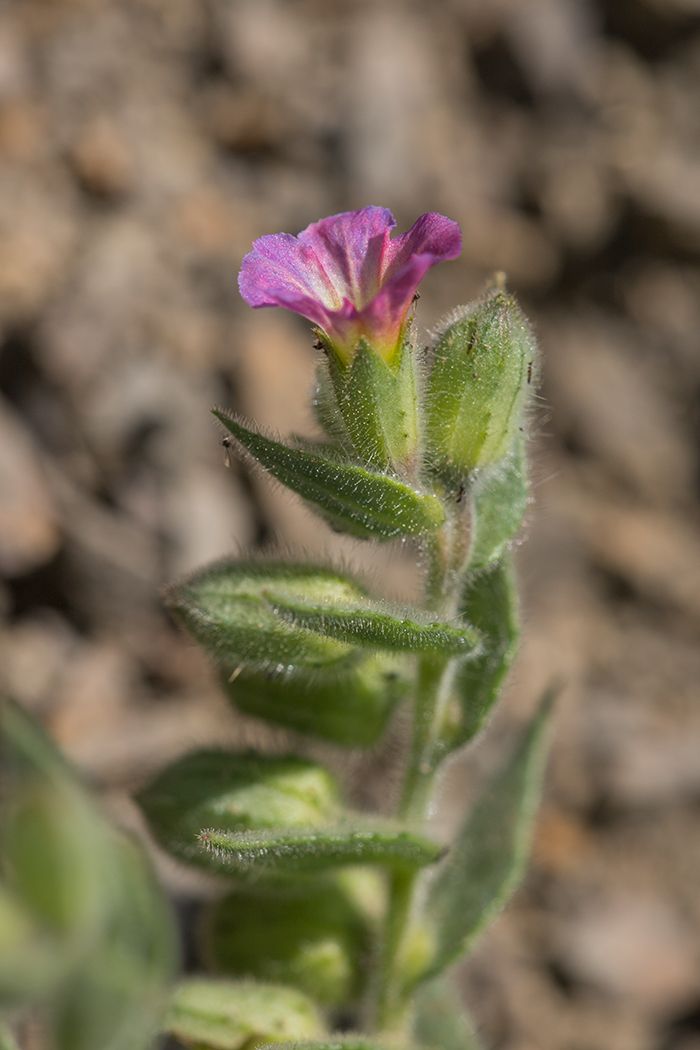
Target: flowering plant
(334,922)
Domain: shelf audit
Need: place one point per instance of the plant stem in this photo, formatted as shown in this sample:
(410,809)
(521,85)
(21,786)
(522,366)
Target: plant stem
(433,679)
(392,1013)
(431,694)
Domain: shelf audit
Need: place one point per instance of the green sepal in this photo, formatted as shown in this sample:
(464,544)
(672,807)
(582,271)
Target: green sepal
(482,365)
(239,1015)
(349,704)
(300,851)
(488,860)
(312,937)
(441,1020)
(490,603)
(236,793)
(499,496)
(363,503)
(379,404)
(368,623)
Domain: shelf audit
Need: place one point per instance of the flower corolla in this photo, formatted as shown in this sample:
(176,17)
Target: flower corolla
(348,276)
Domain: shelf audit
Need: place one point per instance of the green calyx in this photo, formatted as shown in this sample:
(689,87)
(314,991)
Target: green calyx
(483,363)
(377,403)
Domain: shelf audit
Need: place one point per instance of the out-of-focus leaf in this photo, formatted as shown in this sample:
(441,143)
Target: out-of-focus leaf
(489,858)
(117,998)
(7,1040)
(231,1015)
(50,835)
(355,500)
(312,937)
(490,603)
(314,850)
(440,1018)
(499,498)
(81,903)
(235,793)
(32,958)
(348,1042)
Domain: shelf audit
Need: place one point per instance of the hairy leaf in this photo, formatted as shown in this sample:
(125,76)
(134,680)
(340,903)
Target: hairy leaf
(373,626)
(231,1015)
(308,851)
(488,860)
(228,609)
(235,793)
(355,500)
(489,602)
(499,498)
(348,704)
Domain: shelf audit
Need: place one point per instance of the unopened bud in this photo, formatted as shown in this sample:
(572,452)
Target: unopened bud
(483,364)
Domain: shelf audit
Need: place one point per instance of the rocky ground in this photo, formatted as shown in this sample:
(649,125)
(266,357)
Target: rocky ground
(143,145)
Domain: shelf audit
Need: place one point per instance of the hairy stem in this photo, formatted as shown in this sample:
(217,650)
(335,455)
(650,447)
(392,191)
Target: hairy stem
(445,555)
(393,1015)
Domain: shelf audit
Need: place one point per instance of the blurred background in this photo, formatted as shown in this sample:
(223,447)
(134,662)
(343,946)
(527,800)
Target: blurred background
(143,145)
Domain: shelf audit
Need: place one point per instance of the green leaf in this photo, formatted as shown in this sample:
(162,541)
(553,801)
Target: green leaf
(354,500)
(7,1040)
(117,998)
(348,704)
(235,793)
(231,1015)
(441,1020)
(92,933)
(490,603)
(312,937)
(499,497)
(371,625)
(228,609)
(346,1042)
(31,956)
(299,851)
(489,858)
(50,832)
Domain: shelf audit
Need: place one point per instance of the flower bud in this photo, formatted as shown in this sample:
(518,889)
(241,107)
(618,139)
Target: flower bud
(483,363)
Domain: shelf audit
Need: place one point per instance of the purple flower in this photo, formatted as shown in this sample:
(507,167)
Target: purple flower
(346,275)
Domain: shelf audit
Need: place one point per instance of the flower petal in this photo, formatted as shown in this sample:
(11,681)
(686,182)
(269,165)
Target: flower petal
(432,234)
(351,247)
(281,271)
